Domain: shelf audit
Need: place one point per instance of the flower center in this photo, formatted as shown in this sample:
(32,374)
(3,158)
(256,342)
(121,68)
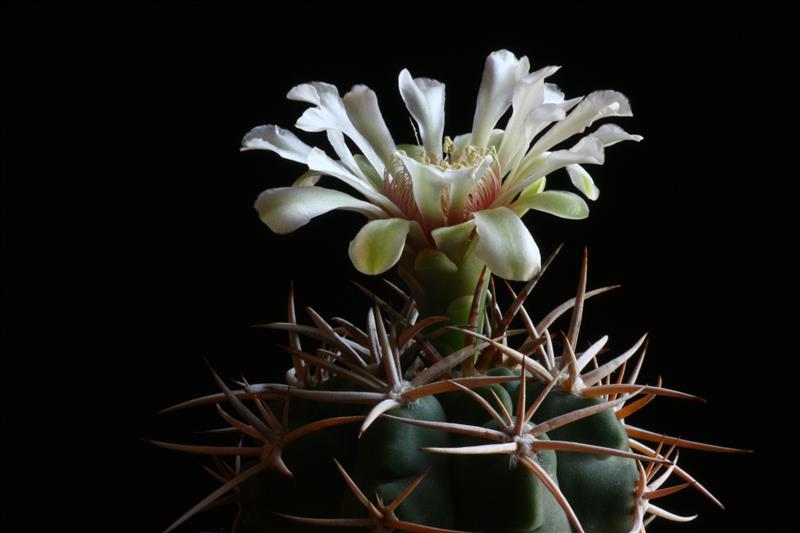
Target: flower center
(454,158)
(455,208)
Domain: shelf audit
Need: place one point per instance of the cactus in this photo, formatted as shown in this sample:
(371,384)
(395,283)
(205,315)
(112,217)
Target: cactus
(438,415)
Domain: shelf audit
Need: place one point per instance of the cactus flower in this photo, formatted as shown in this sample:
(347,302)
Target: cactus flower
(448,195)
(445,210)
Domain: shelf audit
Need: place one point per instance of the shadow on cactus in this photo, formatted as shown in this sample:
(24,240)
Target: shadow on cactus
(437,415)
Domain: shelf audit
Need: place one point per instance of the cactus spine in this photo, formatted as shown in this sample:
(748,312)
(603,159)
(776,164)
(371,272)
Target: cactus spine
(376,429)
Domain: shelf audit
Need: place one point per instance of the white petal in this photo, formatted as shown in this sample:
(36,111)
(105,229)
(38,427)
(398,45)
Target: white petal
(307,92)
(506,245)
(464,140)
(583,181)
(308,178)
(314,119)
(528,94)
(553,94)
(331,114)
(282,142)
(428,184)
(567,105)
(536,121)
(284,209)
(378,245)
(462,181)
(588,150)
(496,138)
(336,138)
(595,106)
(546,113)
(500,74)
(612,134)
(529,91)
(424,99)
(320,162)
(361,104)
(562,204)
(540,118)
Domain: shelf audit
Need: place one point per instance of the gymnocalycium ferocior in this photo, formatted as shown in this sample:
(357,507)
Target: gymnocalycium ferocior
(431,417)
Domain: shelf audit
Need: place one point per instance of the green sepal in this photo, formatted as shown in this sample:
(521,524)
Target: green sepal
(454,240)
(433,260)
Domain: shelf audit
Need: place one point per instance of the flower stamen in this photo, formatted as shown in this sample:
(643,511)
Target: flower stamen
(486,191)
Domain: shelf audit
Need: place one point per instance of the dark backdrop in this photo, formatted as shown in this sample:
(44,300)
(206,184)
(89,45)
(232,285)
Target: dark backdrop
(131,250)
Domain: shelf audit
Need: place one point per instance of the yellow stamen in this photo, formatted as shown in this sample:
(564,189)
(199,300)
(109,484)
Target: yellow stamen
(455,158)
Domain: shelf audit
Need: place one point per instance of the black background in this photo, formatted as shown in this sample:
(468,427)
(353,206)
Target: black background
(130,249)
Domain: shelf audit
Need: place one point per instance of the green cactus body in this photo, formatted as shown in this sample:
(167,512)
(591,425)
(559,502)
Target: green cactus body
(336,441)
(600,488)
(391,449)
(430,503)
(462,409)
(601,429)
(387,458)
(397,438)
(499,482)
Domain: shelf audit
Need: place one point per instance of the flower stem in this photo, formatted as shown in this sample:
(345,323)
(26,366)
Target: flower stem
(442,287)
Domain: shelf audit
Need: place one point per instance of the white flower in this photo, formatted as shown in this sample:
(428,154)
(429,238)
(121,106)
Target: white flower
(464,195)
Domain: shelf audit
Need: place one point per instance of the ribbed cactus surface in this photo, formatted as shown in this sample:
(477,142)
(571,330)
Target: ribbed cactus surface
(375,429)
